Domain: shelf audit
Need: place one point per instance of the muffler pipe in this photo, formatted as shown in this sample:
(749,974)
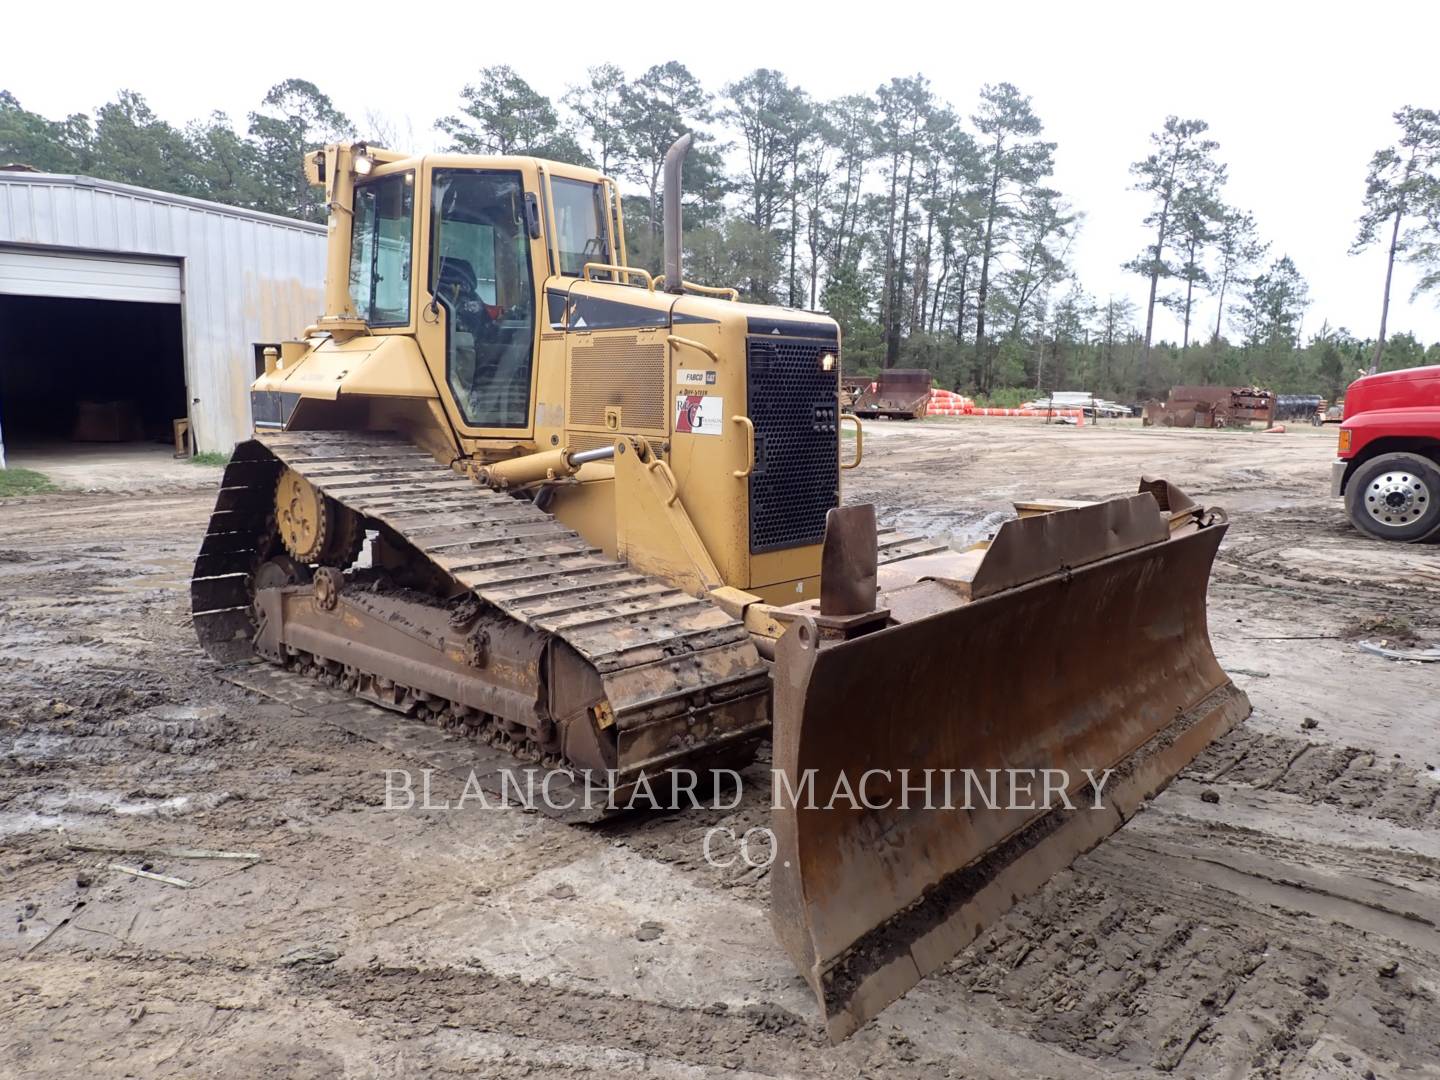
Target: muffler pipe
(674,241)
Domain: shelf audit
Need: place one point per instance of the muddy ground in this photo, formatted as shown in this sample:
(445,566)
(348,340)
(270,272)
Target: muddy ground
(1287,929)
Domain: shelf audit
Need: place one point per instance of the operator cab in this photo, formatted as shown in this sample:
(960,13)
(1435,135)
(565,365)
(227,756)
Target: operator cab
(489,236)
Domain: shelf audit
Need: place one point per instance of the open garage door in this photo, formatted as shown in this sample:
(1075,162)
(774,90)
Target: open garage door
(88,276)
(80,376)
(91,349)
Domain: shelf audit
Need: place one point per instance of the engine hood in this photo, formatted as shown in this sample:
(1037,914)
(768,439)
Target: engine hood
(1404,389)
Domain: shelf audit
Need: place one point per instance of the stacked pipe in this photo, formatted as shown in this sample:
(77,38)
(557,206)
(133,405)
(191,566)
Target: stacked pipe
(949,403)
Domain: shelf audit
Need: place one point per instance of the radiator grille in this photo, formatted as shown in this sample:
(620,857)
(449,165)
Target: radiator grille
(617,369)
(794,405)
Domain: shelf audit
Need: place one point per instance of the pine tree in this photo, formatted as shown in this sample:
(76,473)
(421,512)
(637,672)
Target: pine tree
(1403,184)
(1181,162)
(1015,159)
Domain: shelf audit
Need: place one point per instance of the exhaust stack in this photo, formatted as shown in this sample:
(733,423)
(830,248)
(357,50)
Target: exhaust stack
(674,241)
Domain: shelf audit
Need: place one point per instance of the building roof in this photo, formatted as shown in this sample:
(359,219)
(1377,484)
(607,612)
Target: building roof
(134,191)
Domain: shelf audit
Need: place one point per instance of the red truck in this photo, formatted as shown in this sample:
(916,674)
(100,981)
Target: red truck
(1389,465)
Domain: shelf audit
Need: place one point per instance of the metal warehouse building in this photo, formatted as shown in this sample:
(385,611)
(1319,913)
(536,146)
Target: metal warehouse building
(123,310)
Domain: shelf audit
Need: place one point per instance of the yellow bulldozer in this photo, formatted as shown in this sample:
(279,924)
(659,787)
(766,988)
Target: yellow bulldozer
(582,519)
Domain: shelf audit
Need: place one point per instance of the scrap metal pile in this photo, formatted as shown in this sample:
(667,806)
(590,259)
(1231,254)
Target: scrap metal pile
(899,393)
(1211,407)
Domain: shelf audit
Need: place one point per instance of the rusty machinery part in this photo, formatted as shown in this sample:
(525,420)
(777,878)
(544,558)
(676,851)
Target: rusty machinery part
(327,584)
(495,753)
(514,740)
(279,571)
(276,572)
(639,675)
(1116,672)
(477,649)
(313,527)
(900,393)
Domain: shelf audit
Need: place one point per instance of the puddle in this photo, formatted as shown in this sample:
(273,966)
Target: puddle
(112,802)
(35,745)
(18,824)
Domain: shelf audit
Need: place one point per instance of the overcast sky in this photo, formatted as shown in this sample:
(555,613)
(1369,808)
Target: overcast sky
(1299,95)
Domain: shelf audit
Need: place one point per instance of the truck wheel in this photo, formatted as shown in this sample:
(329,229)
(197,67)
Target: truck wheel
(1395,497)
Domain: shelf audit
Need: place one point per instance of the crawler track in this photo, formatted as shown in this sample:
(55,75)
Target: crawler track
(677,671)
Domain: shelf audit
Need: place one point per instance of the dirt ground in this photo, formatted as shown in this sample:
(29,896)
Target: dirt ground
(1287,929)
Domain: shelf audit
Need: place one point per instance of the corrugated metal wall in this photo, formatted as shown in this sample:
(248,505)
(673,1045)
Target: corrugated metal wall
(247,277)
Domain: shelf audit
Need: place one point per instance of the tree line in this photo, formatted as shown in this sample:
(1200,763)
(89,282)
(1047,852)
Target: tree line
(935,234)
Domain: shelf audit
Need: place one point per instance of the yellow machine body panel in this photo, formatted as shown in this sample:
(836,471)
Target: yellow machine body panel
(497,289)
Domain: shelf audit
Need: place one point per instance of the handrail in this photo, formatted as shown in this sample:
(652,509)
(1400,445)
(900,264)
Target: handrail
(704,290)
(711,290)
(659,466)
(675,341)
(859,439)
(741,474)
(624,271)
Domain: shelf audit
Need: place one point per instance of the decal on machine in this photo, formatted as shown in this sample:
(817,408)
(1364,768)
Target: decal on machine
(694,377)
(699,414)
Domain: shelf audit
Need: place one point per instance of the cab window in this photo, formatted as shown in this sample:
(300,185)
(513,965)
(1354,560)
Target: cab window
(480,275)
(381,238)
(579,224)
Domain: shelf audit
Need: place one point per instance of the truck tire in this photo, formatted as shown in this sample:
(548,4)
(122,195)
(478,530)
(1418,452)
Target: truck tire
(1395,497)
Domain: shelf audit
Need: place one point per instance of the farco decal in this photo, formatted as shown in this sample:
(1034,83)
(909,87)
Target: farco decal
(694,377)
(697,414)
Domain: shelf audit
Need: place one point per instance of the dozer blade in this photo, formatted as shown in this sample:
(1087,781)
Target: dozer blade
(1077,641)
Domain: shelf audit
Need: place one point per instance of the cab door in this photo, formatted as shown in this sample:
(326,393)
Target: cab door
(484,254)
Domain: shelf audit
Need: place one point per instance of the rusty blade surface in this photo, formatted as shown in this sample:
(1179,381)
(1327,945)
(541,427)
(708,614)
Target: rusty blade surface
(1107,665)
(1172,500)
(898,392)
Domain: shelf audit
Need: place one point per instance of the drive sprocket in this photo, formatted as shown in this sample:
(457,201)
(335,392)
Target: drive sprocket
(314,528)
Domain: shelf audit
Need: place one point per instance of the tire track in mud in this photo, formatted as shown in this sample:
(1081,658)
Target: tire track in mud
(423,1009)
(1134,956)
(763,1038)
(1148,957)
(1354,780)
(1103,970)
(725,816)
(1252,564)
